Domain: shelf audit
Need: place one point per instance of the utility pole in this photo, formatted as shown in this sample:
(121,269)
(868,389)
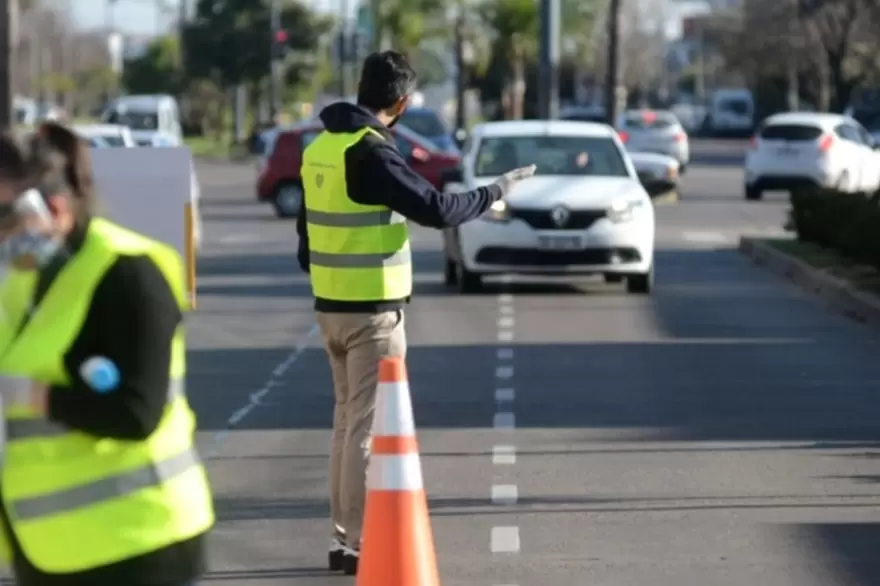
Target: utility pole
(612,73)
(548,73)
(461,74)
(8,21)
(343,49)
(275,56)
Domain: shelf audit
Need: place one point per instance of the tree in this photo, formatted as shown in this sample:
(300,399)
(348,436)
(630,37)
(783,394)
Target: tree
(514,26)
(230,40)
(405,24)
(157,71)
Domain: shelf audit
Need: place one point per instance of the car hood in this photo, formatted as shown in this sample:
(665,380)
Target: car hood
(572,192)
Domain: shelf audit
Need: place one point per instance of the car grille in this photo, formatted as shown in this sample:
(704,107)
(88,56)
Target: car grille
(502,255)
(543,219)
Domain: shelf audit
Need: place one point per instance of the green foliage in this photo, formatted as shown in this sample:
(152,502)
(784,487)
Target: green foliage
(157,71)
(231,40)
(406,23)
(845,222)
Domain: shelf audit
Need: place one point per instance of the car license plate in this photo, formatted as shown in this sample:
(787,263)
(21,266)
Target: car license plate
(560,242)
(788,151)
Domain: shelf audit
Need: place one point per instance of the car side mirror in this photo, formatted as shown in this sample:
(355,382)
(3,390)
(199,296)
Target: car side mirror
(460,137)
(453,175)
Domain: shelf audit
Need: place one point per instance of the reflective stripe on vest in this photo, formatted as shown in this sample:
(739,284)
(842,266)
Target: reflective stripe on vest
(28,429)
(356,252)
(119,485)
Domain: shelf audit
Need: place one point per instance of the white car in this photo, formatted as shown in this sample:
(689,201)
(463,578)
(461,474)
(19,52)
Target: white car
(655,131)
(797,149)
(115,135)
(658,173)
(584,212)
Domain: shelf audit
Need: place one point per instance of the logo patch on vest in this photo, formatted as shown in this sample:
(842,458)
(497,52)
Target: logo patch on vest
(319,179)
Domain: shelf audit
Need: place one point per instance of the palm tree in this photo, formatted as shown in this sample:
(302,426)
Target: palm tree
(515,25)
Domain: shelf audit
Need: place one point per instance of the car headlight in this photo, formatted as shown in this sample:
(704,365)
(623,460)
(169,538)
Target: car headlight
(499,212)
(624,209)
(672,172)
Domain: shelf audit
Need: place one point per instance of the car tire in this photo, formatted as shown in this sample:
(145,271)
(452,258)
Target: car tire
(682,168)
(753,193)
(450,276)
(641,283)
(612,278)
(467,281)
(287,199)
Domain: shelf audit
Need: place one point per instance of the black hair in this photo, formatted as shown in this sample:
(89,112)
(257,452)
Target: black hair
(386,77)
(52,160)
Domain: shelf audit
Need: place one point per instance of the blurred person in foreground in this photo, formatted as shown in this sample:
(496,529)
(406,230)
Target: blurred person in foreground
(101,482)
(353,240)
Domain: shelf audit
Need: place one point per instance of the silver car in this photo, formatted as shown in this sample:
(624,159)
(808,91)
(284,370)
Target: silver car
(655,131)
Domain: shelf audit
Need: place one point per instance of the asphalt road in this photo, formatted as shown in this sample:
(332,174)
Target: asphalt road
(722,432)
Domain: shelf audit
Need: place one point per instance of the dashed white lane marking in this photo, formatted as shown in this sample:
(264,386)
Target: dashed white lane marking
(256,398)
(504,455)
(706,237)
(504,372)
(504,420)
(505,540)
(505,395)
(504,494)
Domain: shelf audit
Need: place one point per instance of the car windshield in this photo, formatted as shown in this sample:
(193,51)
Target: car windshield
(553,155)
(424,122)
(870,119)
(649,120)
(135,120)
(113,140)
(738,106)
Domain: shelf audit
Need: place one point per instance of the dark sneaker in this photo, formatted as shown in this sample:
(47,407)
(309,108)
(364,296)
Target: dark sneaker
(350,561)
(336,555)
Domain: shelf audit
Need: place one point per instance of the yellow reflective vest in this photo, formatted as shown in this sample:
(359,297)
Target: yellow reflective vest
(76,501)
(356,252)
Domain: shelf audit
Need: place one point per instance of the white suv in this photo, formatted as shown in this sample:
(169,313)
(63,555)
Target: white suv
(797,149)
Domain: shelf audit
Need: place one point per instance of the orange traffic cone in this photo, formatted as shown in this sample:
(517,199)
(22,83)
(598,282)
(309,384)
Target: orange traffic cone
(397,548)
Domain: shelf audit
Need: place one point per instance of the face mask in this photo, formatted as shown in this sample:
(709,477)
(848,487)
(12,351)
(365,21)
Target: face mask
(39,247)
(394,121)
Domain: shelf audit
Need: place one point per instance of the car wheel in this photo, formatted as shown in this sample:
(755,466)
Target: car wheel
(613,278)
(682,168)
(467,281)
(450,276)
(287,200)
(753,193)
(642,283)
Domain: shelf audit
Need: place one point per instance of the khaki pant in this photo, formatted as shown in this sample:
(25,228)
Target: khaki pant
(355,342)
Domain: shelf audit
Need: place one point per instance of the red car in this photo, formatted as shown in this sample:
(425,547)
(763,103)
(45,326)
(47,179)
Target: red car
(279,182)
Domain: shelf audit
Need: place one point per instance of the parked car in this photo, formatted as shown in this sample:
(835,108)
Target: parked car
(115,135)
(427,122)
(584,211)
(279,181)
(795,149)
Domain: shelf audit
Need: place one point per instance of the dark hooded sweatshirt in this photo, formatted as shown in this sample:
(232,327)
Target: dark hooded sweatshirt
(377,174)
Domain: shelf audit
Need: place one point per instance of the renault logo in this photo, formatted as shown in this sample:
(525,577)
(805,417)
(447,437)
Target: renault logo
(319,180)
(560,216)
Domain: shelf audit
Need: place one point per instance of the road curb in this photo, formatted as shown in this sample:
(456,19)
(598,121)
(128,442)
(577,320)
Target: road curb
(839,294)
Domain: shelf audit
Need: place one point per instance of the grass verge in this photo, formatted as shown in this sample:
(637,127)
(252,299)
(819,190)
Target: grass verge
(861,276)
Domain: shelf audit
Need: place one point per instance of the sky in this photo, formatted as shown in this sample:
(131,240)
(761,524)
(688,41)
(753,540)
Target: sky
(142,17)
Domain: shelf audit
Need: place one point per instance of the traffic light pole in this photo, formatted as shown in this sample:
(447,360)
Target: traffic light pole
(274,61)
